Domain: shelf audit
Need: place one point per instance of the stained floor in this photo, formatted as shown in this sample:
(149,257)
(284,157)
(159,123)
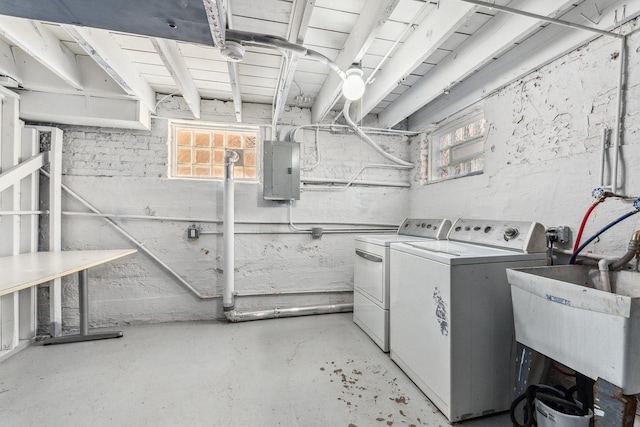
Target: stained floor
(306,371)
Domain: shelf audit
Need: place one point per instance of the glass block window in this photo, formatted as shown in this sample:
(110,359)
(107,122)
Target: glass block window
(199,151)
(454,150)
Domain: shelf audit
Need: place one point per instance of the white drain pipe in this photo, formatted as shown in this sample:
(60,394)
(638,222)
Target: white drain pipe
(228,303)
(228,297)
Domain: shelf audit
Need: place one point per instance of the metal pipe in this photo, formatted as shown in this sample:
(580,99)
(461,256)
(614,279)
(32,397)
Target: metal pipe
(362,169)
(542,18)
(238,316)
(3,213)
(345,181)
(603,153)
(633,250)
(218,221)
(83,301)
(324,231)
(133,240)
(618,125)
(293,132)
(228,233)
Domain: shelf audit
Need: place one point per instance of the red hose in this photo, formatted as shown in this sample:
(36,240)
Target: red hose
(576,245)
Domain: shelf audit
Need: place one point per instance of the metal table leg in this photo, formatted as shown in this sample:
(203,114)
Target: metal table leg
(84,335)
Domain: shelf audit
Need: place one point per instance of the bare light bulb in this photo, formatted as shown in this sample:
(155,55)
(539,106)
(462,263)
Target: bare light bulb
(353,85)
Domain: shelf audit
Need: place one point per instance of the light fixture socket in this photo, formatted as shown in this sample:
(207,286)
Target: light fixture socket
(353,85)
(232,51)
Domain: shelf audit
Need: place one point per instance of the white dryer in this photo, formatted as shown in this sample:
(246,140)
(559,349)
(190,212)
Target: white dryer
(371,273)
(450,312)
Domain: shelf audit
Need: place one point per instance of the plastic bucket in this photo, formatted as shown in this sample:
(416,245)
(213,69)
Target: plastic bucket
(549,417)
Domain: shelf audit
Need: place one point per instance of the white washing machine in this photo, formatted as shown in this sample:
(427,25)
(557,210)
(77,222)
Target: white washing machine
(451,320)
(371,273)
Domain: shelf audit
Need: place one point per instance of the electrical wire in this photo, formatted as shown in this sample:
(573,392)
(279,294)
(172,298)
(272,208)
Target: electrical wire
(605,228)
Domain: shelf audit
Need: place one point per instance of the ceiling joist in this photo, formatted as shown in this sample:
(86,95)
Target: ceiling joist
(425,39)
(8,67)
(173,60)
(36,40)
(298,25)
(100,46)
(372,18)
(493,39)
(517,63)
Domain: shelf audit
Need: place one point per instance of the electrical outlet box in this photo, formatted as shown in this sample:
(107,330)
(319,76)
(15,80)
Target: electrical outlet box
(193,233)
(281,170)
(560,234)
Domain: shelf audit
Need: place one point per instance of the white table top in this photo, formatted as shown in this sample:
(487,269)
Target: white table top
(25,270)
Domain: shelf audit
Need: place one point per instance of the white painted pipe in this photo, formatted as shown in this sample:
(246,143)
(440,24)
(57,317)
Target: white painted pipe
(346,181)
(212,221)
(618,126)
(603,153)
(371,142)
(237,316)
(228,232)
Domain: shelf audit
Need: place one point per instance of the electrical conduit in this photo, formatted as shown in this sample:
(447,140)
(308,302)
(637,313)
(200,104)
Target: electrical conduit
(371,142)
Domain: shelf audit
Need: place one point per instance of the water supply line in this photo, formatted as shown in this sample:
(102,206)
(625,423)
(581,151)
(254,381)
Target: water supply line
(228,299)
(636,205)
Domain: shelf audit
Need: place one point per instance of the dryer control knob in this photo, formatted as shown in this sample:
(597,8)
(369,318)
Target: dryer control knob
(510,233)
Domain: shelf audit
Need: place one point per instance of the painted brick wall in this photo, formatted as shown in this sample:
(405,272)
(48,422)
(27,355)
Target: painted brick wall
(542,153)
(125,172)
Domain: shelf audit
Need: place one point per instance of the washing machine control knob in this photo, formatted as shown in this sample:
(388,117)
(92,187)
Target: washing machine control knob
(510,233)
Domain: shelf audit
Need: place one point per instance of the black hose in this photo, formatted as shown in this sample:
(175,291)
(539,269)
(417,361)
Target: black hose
(557,396)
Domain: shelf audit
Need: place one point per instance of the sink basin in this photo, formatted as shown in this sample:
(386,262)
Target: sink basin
(559,312)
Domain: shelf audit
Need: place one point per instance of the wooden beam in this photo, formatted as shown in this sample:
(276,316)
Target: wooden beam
(84,110)
(94,79)
(425,39)
(10,151)
(373,16)
(8,65)
(13,175)
(28,310)
(173,60)
(493,39)
(44,46)
(55,225)
(100,46)
(536,51)
(298,25)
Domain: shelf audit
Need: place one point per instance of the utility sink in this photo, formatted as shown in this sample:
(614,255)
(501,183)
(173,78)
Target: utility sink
(559,312)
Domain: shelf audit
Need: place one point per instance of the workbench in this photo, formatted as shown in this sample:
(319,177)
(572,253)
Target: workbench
(31,269)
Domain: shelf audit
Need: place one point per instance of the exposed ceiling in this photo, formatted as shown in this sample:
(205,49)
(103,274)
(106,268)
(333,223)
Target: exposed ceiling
(421,59)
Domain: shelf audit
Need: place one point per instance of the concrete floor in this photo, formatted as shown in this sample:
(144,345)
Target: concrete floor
(307,371)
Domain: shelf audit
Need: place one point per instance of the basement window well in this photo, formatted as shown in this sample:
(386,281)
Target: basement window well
(454,150)
(197,151)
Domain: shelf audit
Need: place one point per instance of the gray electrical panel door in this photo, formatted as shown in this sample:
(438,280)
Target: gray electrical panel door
(281,170)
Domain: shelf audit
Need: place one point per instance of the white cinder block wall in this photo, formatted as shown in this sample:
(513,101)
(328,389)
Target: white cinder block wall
(125,172)
(542,153)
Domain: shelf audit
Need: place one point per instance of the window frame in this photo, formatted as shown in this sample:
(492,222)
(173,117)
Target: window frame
(431,151)
(175,125)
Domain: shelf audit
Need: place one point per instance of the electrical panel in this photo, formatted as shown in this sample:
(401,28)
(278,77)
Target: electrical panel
(281,170)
